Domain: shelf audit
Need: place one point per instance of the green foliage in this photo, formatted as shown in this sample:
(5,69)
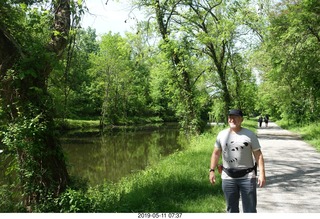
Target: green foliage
(160,91)
(122,82)
(10,199)
(73,201)
(290,86)
(23,139)
(128,80)
(200,69)
(73,93)
(242,85)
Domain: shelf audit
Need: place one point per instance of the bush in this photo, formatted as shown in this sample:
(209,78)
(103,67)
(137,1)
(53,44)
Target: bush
(9,200)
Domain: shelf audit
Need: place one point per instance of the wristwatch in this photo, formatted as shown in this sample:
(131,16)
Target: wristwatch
(211,170)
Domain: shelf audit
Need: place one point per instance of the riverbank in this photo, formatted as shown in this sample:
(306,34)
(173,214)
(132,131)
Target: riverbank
(74,124)
(177,183)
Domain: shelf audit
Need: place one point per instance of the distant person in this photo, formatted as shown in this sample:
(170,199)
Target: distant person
(260,120)
(238,146)
(266,120)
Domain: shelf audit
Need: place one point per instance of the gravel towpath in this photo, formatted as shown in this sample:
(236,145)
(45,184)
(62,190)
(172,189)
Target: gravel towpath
(292,171)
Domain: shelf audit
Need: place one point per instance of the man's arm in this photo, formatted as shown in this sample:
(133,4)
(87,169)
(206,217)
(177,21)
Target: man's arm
(214,162)
(260,161)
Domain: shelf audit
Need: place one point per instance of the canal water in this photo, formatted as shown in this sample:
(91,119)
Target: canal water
(109,156)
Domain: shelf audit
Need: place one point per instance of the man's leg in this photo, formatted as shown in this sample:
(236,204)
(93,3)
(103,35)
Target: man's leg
(248,189)
(231,194)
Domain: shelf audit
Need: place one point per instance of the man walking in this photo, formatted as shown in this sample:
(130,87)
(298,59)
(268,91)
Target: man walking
(238,146)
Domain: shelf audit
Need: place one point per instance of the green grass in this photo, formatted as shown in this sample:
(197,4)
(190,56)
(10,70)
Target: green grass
(310,132)
(71,124)
(251,124)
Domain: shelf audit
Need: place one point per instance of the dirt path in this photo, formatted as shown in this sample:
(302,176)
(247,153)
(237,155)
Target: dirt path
(293,173)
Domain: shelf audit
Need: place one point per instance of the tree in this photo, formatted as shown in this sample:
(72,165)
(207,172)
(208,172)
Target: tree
(70,85)
(120,74)
(31,42)
(213,30)
(292,46)
(178,56)
(220,30)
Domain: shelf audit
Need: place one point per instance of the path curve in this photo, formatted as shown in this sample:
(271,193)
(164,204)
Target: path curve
(292,171)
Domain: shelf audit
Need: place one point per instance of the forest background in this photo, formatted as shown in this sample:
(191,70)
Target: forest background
(189,62)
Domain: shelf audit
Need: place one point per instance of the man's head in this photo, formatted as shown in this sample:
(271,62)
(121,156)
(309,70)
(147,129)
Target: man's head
(235,118)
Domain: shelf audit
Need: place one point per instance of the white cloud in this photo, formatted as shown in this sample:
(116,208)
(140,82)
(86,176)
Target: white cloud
(113,16)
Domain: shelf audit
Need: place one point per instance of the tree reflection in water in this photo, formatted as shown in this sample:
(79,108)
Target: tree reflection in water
(116,154)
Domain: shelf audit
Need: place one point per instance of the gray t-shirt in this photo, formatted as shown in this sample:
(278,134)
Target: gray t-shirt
(237,147)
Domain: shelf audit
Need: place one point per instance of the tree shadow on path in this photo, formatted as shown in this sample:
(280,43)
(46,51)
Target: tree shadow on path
(292,171)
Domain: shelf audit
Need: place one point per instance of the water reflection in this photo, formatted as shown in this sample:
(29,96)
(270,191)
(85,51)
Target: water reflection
(110,156)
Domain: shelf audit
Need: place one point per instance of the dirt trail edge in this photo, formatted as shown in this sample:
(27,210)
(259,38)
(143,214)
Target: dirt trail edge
(292,171)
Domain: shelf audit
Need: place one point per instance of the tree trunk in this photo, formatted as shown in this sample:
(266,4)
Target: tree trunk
(218,62)
(29,110)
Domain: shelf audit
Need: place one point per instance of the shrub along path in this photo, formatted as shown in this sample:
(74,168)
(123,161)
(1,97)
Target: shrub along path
(293,173)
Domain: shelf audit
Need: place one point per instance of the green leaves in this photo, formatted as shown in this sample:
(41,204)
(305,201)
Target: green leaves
(293,48)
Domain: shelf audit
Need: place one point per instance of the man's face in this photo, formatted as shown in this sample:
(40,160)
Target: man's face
(235,121)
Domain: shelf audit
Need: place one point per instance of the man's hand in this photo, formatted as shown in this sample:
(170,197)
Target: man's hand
(261,181)
(212,178)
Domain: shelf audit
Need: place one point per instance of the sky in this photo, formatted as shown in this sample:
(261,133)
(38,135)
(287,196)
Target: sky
(113,16)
